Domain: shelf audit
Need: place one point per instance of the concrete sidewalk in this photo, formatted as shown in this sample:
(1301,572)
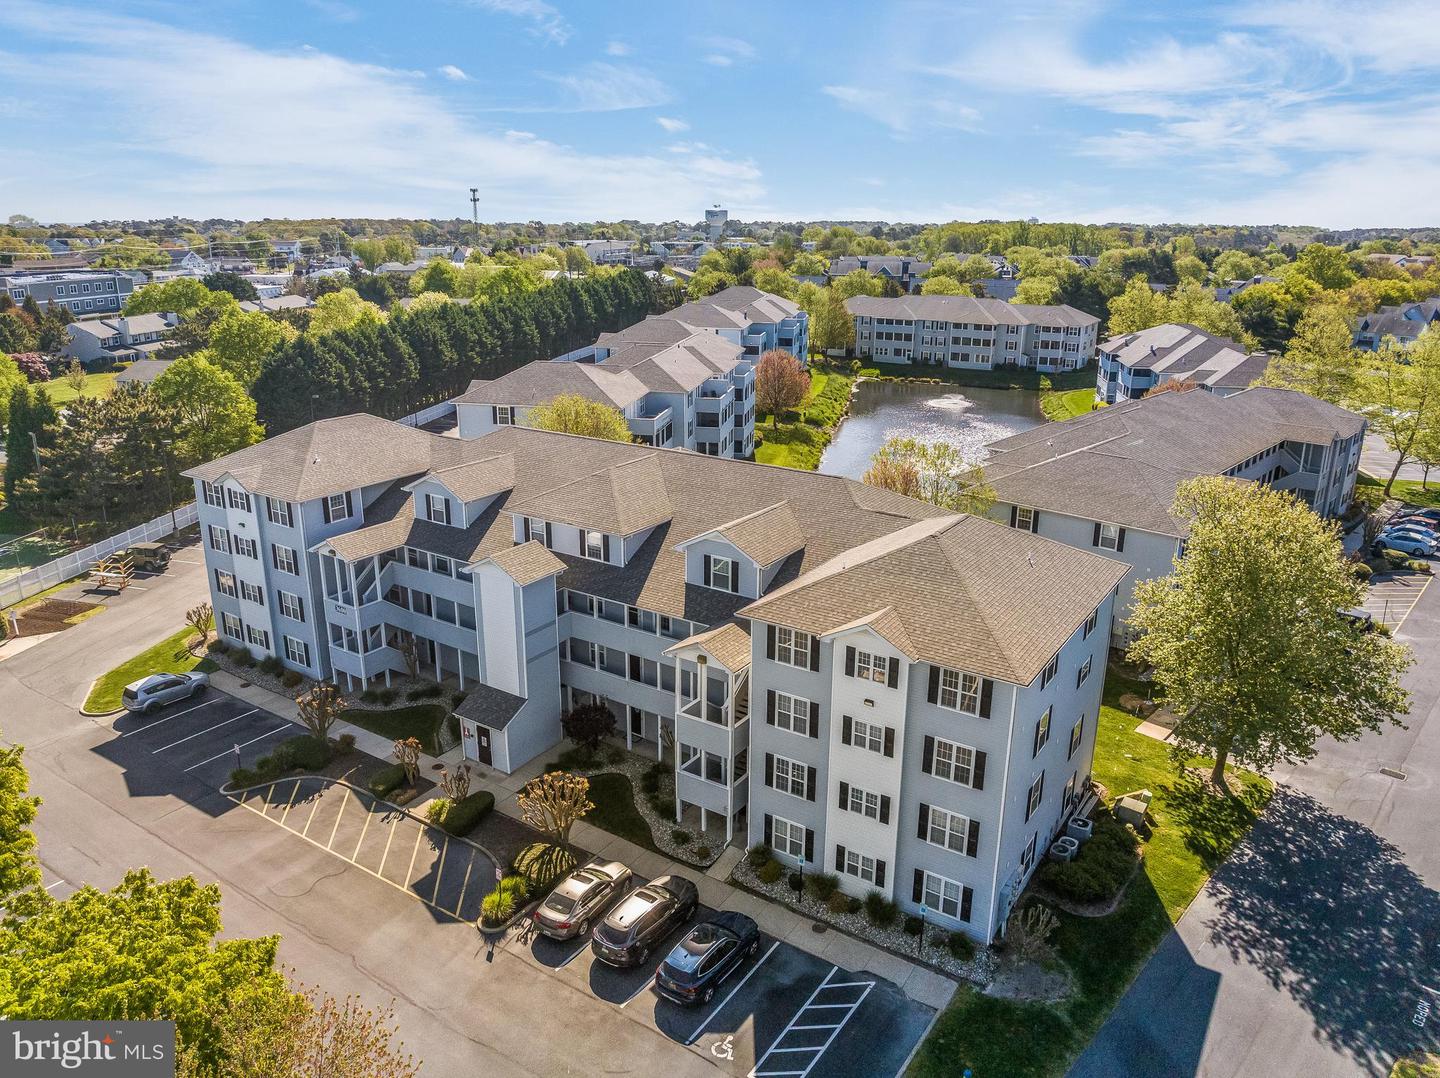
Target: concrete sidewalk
(918,982)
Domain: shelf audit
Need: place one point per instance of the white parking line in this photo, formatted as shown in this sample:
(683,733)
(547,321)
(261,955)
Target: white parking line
(343,802)
(636,994)
(243,744)
(389,837)
(167,718)
(361,840)
(201,733)
(419,834)
(701,1027)
(465,886)
(294,789)
(810,1005)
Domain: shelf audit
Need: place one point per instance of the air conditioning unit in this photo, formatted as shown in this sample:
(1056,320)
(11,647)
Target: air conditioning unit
(1064,848)
(1080,830)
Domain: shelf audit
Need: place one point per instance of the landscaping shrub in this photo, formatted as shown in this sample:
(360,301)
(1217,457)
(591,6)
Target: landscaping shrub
(497,906)
(291,678)
(345,743)
(822,885)
(387,696)
(370,696)
(386,780)
(243,776)
(680,836)
(1362,571)
(242,658)
(960,946)
(464,816)
(770,872)
(436,809)
(912,925)
(1418,565)
(217,647)
(425,692)
(614,754)
(881,911)
(650,783)
(758,855)
(1101,868)
(703,852)
(794,879)
(838,902)
(542,863)
(272,666)
(665,806)
(308,752)
(658,769)
(853,905)
(514,885)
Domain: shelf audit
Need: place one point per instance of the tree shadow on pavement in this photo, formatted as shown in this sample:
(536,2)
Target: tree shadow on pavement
(1330,913)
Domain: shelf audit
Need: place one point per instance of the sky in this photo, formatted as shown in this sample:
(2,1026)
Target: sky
(1318,112)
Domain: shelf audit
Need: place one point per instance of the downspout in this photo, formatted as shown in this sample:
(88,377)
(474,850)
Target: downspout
(1004,789)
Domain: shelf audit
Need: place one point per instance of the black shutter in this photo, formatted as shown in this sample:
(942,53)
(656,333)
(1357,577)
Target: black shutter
(814,653)
(1014,515)
(707,570)
(894,679)
(844,795)
(924,827)
(1095,538)
(1035,741)
(927,757)
(734,575)
(605,546)
(349,508)
(972,840)
(494,415)
(849,661)
(879,873)
(977,779)
(325,510)
(884,808)
(769,829)
(845,728)
(769,641)
(769,770)
(525,528)
(839,858)
(769,707)
(549,544)
(1120,542)
(889,741)
(967,895)
(934,693)
(1034,520)
(987,696)
(809,844)
(918,893)
(814,718)
(300,608)
(809,784)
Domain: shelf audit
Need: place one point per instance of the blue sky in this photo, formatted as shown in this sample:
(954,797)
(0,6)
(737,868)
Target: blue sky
(1293,111)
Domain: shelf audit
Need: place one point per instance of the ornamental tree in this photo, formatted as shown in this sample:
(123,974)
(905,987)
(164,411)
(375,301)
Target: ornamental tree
(780,383)
(553,802)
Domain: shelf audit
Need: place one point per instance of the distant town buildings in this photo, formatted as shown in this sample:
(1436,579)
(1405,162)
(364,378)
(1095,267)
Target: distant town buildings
(1133,364)
(83,291)
(116,339)
(1403,324)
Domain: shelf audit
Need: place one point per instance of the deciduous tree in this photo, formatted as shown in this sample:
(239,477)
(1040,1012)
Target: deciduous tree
(240,342)
(553,802)
(320,708)
(20,889)
(1247,638)
(344,310)
(1399,393)
(571,413)
(214,414)
(407,755)
(1320,359)
(780,383)
(588,725)
(934,472)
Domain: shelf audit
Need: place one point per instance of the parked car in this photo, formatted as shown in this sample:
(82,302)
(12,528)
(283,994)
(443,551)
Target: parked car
(152,557)
(1411,526)
(1432,516)
(580,899)
(157,690)
(701,961)
(1414,546)
(642,919)
(1360,618)
(1418,535)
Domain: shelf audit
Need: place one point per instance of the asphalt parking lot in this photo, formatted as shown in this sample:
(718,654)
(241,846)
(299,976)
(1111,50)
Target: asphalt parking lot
(206,737)
(1391,597)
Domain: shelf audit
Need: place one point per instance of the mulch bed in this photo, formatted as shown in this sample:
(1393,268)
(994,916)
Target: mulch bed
(50,616)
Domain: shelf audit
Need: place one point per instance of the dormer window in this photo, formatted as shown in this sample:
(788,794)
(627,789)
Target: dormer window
(594,545)
(504,415)
(722,574)
(337,507)
(437,509)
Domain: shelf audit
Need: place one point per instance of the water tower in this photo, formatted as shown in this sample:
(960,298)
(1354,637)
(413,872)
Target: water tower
(715,223)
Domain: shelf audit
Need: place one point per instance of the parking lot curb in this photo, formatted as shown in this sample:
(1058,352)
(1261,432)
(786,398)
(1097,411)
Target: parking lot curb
(97,714)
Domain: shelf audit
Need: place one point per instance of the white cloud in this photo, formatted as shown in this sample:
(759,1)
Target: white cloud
(334,9)
(672,125)
(450,71)
(726,51)
(545,21)
(353,138)
(602,87)
(905,114)
(617,48)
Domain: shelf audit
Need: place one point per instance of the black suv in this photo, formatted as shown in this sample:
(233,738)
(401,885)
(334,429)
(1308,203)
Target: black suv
(643,919)
(711,952)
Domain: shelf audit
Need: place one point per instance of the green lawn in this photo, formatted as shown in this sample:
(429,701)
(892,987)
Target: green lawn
(1195,832)
(170,656)
(1064,404)
(802,435)
(615,811)
(1425,1065)
(1407,490)
(96,385)
(420,721)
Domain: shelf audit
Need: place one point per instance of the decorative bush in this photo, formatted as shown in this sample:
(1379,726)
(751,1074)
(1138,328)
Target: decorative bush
(1101,868)
(912,925)
(272,666)
(770,872)
(665,806)
(386,780)
(436,809)
(960,946)
(464,816)
(703,852)
(217,647)
(794,879)
(425,692)
(514,885)
(614,754)
(370,696)
(758,855)
(838,902)
(243,776)
(680,836)
(241,657)
(542,863)
(291,678)
(650,783)
(387,696)
(853,905)
(1362,571)
(881,911)
(497,907)
(345,743)
(822,885)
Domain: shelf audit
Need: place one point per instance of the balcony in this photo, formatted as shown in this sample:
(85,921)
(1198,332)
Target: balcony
(646,426)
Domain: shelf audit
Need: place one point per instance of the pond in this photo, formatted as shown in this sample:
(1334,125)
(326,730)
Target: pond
(970,418)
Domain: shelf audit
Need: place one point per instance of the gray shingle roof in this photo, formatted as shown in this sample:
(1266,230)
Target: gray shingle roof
(526,563)
(967,309)
(1180,350)
(492,708)
(544,379)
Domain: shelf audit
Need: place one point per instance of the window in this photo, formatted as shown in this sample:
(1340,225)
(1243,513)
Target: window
(248,547)
(942,895)
(252,593)
(237,499)
(284,559)
(871,667)
(644,620)
(1036,795)
(277,512)
(232,627)
(297,651)
(224,583)
(947,829)
(857,864)
(219,539)
(337,507)
(791,777)
(258,637)
(594,545)
(959,692)
(862,802)
(866,735)
(212,495)
(420,602)
(504,415)
(439,565)
(1068,798)
(414,558)
(292,606)
(437,509)
(1051,669)
(792,713)
(1090,623)
(535,529)
(1109,537)
(1024,519)
(1083,672)
(723,575)
(787,837)
(1027,856)
(1077,734)
(1042,732)
(580,603)
(792,647)
(954,762)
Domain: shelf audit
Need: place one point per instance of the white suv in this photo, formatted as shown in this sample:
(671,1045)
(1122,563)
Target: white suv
(157,690)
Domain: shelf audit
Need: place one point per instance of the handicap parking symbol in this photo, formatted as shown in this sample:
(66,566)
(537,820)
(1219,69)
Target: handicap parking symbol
(724,1049)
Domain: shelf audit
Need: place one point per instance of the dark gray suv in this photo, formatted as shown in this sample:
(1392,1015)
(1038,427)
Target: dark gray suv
(643,919)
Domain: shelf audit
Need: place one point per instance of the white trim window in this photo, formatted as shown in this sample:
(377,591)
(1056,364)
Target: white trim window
(337,507)
(1109,537)
(792,713)
(863,802)
(867,735)
(1051,669)
(252,593)
(504,415)
(787,837)
(1077,734)
(247,547)
(219,539)
(1024,518)
(1042,731)
(954,762)
(259,637)
(959,692)
(791,777)
(942,895)
(1090,623)
(278,512)
(212,495)
(1084,672)
(871,667)
(297,651)
(225,583)
(291,606)
(1036,795)
(231,626)
(792,647)
(285,559)
(948,829)
(237,499)
(437,509)
(722,573)
(592,544)
(860,866)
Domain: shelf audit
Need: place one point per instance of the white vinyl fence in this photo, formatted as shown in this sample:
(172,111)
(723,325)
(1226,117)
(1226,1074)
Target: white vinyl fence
(427,415)
(15,588)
